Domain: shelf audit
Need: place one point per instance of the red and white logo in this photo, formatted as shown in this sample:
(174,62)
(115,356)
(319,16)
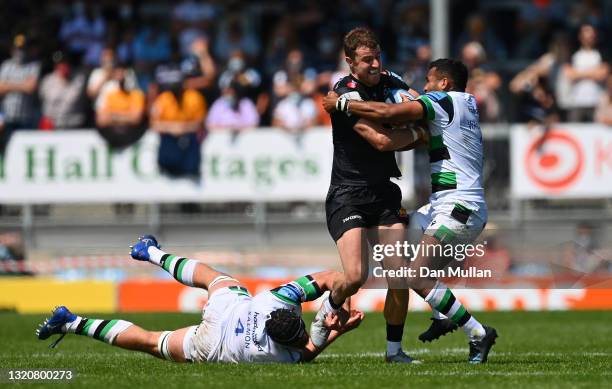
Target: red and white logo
(554,161)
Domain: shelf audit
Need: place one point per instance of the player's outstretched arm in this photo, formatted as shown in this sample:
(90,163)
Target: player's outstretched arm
(375,111)
(383,139)
(332,321)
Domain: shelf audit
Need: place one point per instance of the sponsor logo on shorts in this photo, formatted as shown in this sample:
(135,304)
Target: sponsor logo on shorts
(402,212)
(352,217)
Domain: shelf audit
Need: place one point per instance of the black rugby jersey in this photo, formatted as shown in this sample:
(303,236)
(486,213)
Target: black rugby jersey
(356,162)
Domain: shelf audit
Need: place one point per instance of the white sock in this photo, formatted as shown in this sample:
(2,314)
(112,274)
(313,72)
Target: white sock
(393,347)
(437,314)
(326,306)
(182,269)
(104,330)
(70,327)
(473,329)
(155,255)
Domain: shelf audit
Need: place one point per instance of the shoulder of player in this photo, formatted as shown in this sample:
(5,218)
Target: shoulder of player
(393,80)
(347,85)
(440,99)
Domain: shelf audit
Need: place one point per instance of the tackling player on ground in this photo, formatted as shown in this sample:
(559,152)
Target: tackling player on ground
(362,203)
(457,211)
(235,327)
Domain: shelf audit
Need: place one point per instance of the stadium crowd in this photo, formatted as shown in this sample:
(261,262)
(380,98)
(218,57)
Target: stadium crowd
(182,68)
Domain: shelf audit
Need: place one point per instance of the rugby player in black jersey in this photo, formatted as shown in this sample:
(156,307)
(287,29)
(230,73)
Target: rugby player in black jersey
(362,201)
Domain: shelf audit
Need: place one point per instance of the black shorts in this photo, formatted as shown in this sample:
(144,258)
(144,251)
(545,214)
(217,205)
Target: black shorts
(348,207)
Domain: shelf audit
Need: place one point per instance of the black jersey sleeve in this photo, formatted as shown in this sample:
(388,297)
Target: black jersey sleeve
(393,80)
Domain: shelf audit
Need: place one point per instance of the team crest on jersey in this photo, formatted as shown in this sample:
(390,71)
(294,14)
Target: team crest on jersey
(351,84)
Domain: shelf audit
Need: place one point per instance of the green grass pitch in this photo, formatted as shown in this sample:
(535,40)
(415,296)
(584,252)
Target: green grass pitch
(535,349)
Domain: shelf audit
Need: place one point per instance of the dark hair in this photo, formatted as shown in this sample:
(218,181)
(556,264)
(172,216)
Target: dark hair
(358,37)
(285,326)
(453,69)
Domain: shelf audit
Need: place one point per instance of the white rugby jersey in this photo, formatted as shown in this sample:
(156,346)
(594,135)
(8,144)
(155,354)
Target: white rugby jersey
(455,148)
(244,338)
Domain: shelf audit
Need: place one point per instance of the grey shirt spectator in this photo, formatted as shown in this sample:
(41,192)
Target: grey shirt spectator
(18,81)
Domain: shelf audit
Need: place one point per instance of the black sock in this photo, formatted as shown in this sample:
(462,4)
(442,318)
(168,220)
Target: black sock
(395,332)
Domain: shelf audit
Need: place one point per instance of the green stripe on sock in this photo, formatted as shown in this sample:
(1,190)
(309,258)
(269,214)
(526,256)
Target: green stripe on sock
(86,326)
(179,273)
(447,295)
(107,328)
(169,262)
(444,178)
(459,314)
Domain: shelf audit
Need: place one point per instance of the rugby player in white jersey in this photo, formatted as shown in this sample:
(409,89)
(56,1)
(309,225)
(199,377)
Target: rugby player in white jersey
(235,327)
(457,212)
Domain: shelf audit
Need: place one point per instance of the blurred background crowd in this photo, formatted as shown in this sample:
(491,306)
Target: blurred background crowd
(176,68)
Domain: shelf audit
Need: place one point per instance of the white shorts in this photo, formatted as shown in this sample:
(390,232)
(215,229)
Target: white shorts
(209,333)
(449,222)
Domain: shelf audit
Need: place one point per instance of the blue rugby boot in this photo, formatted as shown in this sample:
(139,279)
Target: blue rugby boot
(140,250)
(54,325)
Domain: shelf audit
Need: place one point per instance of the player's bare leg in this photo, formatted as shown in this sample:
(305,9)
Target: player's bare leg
(396,301)
(352,247)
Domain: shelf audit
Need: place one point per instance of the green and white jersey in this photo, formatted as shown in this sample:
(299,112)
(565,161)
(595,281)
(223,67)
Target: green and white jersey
(455,148)
(244,336)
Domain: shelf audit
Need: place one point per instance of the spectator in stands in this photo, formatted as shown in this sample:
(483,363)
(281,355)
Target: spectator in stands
(603,113)
(126,45)
(18,82)
(84,32)
(417,68)
(342,69)
(537,104)
(411,27)
(483,82)
(314,87)
(476,30)
(177,114)
(193,20)
(285,79)
(296,111)
(233,110)
(279,43)
(120,111)
(62,93)
(250,81)
(152,46)
(547,67)
(101,74)
(200,67)
(586,73)
(236,32)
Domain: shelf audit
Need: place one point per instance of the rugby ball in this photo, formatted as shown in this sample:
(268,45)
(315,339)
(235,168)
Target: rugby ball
(396,96)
